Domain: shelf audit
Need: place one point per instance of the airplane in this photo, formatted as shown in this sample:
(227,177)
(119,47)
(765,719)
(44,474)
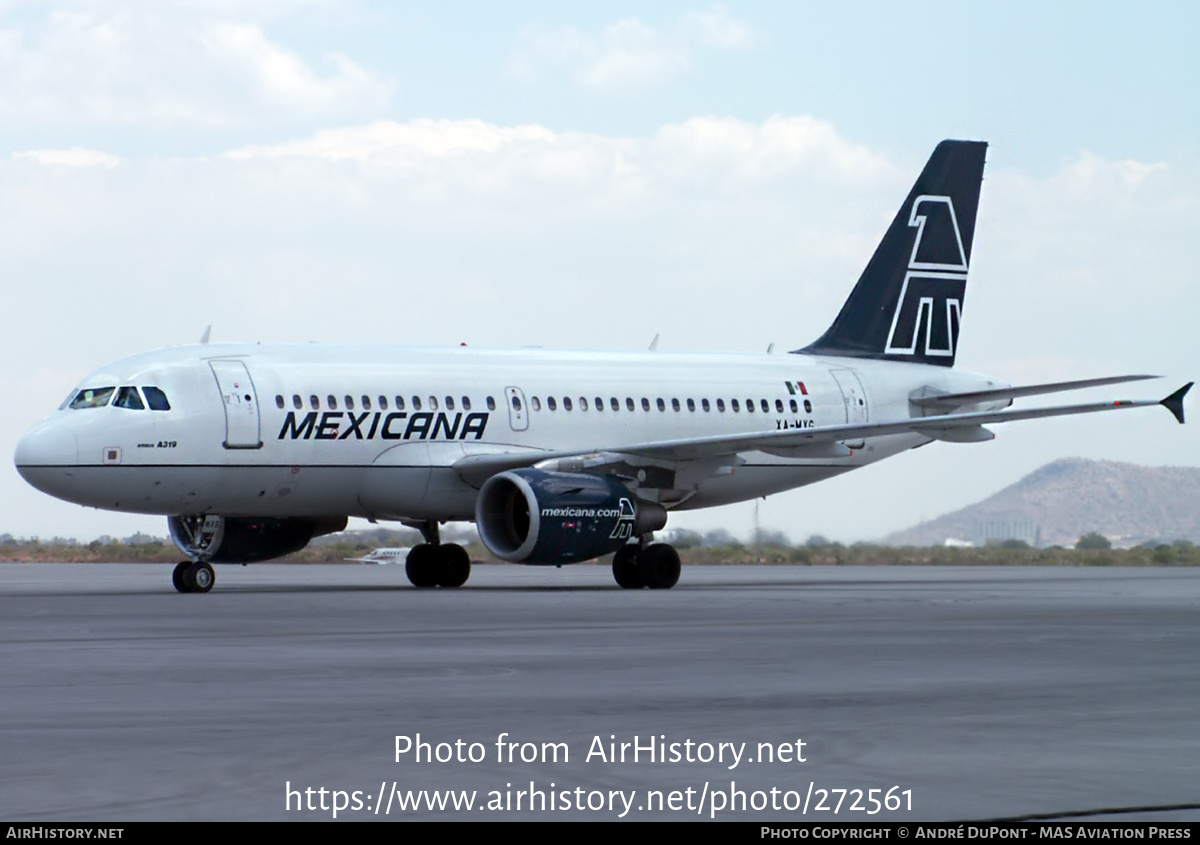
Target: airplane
(556,456)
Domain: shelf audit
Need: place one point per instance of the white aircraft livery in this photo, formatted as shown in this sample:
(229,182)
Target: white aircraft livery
(558,457)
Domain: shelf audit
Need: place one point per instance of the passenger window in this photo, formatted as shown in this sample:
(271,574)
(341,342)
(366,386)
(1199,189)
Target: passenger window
(766,408)
(491,403)
(92,397)
(807,407)
(645,404)
(399,403)
(278,401)
(383,403)
(466,403)
(662,406)
(331,401)
(157,400)
(674,404)
(779,406)
(551,404)
(793,406)
(566,403)
(349,403)
(704,405)
(537,403)
(433,403)
(366,403)
(416,403)
(599,404)
(614,404)
(721,405)
(629,403)
(692,405)
(749,406)
(127,397)
(583,403)
(734,406)
(449,403)
(297,402)
(314,402)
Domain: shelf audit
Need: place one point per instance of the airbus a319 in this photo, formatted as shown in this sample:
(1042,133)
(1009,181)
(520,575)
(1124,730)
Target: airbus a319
(558,457)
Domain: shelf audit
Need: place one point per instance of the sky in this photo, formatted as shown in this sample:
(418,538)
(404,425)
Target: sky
(592,175)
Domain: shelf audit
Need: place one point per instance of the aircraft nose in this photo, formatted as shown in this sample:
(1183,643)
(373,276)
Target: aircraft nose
(47,458)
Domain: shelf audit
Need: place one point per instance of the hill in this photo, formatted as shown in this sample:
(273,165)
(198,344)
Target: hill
(1063,500)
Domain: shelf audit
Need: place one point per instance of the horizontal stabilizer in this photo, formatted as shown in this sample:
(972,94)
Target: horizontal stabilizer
(1174,402)
(976,397)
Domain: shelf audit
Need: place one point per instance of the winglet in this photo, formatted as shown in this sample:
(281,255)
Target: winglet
(1174,402)
(207,333)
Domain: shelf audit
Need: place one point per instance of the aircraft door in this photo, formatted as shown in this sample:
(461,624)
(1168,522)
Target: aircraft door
(855,399)
(518,411)
(241,404)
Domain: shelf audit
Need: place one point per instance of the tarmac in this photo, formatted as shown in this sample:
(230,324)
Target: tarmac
(765,693)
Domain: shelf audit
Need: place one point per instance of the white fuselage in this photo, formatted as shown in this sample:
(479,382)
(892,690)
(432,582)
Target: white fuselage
(309,430)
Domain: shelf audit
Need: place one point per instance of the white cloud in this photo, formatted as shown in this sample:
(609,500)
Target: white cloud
(716,27)
(478,155)
(73,157)
(630,53)
(283,79)
(169,65)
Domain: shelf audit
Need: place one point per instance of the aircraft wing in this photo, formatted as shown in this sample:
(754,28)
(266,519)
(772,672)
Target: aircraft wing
(822,442)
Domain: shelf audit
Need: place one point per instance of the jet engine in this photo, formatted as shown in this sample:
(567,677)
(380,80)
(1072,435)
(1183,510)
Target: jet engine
(539,517)
(222,539)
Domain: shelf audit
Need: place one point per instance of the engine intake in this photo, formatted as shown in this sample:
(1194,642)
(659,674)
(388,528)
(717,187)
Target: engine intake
(539,517)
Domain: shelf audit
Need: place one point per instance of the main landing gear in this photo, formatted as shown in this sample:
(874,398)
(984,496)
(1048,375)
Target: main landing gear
(434,564)
(655,566)
(193,576)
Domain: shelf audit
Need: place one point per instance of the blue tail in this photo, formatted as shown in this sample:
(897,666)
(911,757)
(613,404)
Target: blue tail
(908,302)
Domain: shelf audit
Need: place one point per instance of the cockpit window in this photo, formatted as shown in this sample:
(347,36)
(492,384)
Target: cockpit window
(93,397)
(157,400)
(128,397)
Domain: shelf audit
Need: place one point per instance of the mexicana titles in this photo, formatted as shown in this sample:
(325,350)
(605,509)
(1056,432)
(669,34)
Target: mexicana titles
(397,425)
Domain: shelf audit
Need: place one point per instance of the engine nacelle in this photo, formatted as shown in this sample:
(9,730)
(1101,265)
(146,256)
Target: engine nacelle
(222,539)
(533,516)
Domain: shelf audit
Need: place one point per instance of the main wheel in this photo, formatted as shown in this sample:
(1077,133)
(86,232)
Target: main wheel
(421,565)
(454,565)
(626,571)
(199,577)
(660,567)
(178,576)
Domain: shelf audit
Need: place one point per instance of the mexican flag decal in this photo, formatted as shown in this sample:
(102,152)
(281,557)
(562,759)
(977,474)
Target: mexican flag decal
(795,387)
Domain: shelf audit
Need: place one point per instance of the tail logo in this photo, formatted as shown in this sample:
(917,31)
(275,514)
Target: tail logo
(929,308)
(623,529)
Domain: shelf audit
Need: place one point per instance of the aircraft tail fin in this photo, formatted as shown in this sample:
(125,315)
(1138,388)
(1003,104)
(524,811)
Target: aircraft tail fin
(908,301)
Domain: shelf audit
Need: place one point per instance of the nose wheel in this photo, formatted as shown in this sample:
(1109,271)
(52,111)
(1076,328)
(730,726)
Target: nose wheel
(193,577)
